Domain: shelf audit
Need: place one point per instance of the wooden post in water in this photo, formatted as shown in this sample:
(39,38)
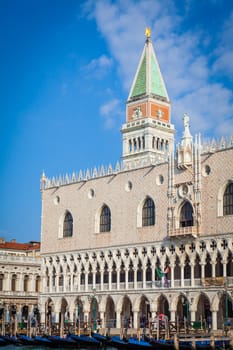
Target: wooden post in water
(15,325)
(62,325)
(176,342)
(185,325)
(158,330)
(166,329)
(138,333)
(231,342)
(193,343)
(177,325)
(212,342)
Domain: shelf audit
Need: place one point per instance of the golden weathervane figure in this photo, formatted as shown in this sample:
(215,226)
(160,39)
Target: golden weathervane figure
(147,32)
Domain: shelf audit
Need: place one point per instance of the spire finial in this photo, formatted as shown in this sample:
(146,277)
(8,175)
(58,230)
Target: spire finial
(147,32)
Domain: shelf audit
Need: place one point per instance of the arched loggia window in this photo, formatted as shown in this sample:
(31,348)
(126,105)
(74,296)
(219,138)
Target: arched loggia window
(68,225)
(186,215)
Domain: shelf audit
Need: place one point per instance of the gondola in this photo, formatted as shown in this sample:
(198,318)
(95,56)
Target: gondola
(25,340)
(66,342)
(139,344)
(117,342)
(11,339)
(3,342)
(85,340)
(43,341)
(103,339)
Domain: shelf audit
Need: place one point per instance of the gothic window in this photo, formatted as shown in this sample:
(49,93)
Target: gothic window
(228,200)
(105,219)
(148,213)
(68,225)
(186,215)
(13,283)
(25,283)
(1,281)
(37,286)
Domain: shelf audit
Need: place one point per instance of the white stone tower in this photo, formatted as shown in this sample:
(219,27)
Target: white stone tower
(148,136)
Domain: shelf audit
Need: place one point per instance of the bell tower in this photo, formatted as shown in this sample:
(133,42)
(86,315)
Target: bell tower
(147,134)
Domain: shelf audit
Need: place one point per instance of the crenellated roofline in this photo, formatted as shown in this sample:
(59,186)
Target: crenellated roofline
(212,146)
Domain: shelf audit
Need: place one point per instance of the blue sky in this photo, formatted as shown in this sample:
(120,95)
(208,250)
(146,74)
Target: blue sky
(66,68)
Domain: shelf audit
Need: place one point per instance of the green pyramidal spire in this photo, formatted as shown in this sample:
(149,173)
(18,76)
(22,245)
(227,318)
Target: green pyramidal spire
(148,79)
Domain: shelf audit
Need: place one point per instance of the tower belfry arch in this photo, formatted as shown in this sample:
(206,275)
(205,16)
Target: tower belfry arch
(148,135)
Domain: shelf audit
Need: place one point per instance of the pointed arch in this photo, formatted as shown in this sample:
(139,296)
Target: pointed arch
(228,200)
(105,219)
(186,215)
(225,198)
(146,213)
(68,225)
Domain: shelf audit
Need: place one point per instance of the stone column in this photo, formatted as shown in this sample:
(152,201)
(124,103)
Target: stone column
(135,319)
(143,277)
(102,319)
(55,316)
(126,278)
(153,274)
(110,279)
(78,281)
(192,264)
(57,283)
(94,278)
(118,278)
(86,281)
(213,264)
(135,278)
(172,275)
(214,320)
(118,319)
(102,279)
(203,270)
(50,282)
(71,282)
(193,316)
(173,315)
(224,268)
(182,274)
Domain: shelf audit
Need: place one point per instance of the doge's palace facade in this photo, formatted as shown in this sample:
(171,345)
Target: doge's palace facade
(152,234)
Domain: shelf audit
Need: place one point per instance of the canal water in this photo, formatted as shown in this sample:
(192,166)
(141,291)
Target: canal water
(35,347)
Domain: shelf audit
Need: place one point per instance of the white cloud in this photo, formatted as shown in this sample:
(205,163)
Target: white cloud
(224,52)
(187,69)
(99,66)
(111,111)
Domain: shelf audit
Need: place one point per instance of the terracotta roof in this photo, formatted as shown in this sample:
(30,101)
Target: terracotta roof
(20,246)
